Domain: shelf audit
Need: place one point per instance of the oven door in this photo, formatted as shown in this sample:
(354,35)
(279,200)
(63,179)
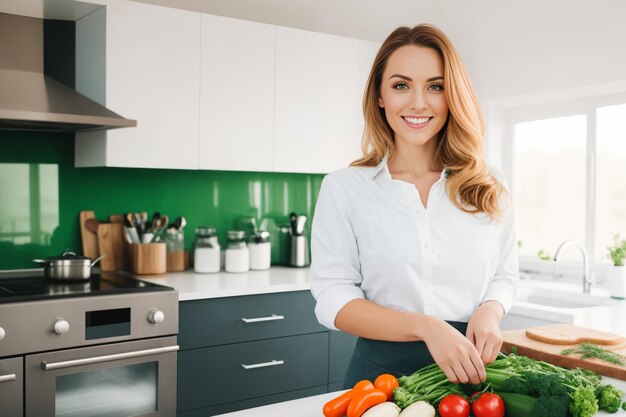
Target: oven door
(115,380)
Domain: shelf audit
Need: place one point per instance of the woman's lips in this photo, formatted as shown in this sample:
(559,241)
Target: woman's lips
(416,122)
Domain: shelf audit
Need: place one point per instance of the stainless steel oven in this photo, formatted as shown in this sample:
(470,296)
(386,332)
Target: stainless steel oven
(116,380)
(107,349)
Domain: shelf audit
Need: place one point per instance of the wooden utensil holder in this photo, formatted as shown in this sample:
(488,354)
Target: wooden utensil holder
(148,258)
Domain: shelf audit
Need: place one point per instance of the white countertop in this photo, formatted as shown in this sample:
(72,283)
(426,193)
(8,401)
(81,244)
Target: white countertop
(312,406)
(194,286)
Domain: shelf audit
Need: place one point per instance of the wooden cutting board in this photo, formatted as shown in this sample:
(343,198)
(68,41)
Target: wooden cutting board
(547,342)
(88,238)
(112,244)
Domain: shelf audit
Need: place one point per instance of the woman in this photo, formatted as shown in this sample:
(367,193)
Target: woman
(413,246)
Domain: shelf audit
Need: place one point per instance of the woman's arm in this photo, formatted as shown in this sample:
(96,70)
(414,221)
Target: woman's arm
(452,351)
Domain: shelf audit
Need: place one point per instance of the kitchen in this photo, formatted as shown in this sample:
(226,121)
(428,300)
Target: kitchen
(181,164)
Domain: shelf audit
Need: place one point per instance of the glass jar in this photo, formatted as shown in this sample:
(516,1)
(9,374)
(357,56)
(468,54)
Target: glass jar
(237,257)
(260,251)
(206,251)
(175,247)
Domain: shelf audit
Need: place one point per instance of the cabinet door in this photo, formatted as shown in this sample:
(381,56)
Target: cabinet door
(236,95)
(320,81)
(341,348)
(152,75)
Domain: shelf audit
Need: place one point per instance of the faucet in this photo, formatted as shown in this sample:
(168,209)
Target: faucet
(588,278)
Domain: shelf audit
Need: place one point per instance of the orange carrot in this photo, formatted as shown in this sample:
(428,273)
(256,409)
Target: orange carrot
(364,400)
(338,407)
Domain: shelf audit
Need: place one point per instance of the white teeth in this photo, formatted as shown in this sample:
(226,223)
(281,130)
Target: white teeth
(416,120)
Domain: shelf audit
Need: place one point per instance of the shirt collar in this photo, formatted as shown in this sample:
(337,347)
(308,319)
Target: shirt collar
(382,165)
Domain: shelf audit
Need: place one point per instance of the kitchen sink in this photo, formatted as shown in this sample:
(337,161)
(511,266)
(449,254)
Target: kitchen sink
(562,298)
(537,303)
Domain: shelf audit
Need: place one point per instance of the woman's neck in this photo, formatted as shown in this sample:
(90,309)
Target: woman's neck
(414,160)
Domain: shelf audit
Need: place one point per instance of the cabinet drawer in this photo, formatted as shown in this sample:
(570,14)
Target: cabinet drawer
(215,375)
(220,321)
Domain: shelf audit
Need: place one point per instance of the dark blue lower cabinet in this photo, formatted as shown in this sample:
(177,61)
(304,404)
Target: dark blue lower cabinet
(340,352)
(213,376)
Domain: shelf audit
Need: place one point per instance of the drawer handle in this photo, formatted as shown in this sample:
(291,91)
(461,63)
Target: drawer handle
(258,319)
(7,378)
(262,365)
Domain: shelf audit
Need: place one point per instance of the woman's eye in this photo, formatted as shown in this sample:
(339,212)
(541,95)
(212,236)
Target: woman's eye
(400,86)
(436,87)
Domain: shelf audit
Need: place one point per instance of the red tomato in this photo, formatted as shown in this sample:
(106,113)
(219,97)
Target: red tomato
(454,405)
(386,383)
(488,405)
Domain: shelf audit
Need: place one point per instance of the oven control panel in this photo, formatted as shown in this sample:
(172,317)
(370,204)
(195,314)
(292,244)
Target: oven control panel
(38,326)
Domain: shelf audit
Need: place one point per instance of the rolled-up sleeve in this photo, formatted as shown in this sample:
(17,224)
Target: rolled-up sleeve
(502,286)
(335,269)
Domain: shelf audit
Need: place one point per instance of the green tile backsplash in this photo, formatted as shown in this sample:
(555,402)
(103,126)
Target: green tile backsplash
(41,194)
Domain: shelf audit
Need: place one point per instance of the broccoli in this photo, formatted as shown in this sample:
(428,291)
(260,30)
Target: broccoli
(624,406)
(584,403)
(609,398)
(523,405)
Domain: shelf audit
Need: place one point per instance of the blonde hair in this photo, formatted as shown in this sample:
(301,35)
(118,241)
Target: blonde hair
(469,185)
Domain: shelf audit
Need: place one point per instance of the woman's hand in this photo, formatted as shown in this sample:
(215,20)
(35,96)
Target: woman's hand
(454,353)
(483,330)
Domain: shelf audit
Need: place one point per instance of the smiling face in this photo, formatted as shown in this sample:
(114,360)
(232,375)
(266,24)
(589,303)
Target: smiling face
(412,95)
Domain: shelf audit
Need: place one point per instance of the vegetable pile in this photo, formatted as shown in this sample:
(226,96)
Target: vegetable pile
(525,387)
(374,400)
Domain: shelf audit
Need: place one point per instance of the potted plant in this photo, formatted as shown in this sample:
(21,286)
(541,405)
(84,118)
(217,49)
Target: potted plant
(617,274)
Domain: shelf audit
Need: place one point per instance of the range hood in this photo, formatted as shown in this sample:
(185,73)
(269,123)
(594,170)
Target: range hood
(32,100)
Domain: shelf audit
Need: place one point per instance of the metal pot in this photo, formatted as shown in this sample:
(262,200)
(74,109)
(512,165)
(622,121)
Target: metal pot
(68,266)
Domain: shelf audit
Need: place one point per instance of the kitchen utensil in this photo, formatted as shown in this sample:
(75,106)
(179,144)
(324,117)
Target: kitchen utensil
(179,223)
(116,218)
(89,239)
(293,222)
(92,225)
(112,243)
(301,220)
(547,342)
(68,266)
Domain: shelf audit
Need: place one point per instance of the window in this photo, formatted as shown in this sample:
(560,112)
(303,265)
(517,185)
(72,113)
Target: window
(549,188)
(610,175)
(569,175)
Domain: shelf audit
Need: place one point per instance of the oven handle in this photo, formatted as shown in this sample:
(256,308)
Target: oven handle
(106,358)
(7,378)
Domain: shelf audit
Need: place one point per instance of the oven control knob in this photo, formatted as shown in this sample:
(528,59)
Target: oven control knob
(156,316)
(2,333)
(61,326)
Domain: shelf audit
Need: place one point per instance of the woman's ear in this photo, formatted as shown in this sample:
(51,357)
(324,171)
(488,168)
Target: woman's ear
(380,102)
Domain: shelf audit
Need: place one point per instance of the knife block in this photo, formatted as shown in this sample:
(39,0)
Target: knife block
(148,258)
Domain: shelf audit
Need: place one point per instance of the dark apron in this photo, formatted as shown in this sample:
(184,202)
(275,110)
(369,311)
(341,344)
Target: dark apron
(375,357)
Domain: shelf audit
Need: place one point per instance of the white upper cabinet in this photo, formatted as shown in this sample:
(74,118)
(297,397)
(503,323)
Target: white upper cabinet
(236,95)
(320,81)
(152,74)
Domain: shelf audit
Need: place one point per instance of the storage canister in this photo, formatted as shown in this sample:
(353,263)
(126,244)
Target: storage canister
(260,251)
(237,256)
(206,252)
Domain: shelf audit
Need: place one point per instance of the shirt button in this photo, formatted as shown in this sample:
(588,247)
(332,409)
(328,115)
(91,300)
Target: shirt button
(426,245)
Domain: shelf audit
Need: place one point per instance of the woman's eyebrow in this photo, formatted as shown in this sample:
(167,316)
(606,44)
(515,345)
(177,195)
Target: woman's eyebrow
(404,77)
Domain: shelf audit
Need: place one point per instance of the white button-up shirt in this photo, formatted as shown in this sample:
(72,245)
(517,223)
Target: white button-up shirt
(372,238)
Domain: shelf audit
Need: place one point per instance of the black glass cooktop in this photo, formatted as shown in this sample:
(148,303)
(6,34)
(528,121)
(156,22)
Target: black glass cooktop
(29,288)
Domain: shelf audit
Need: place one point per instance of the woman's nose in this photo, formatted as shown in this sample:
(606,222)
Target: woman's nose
(418,101)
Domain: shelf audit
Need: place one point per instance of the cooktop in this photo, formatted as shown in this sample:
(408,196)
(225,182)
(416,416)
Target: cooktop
(37,287)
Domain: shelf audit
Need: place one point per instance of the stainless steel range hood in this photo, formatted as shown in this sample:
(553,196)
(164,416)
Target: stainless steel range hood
(32,100)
